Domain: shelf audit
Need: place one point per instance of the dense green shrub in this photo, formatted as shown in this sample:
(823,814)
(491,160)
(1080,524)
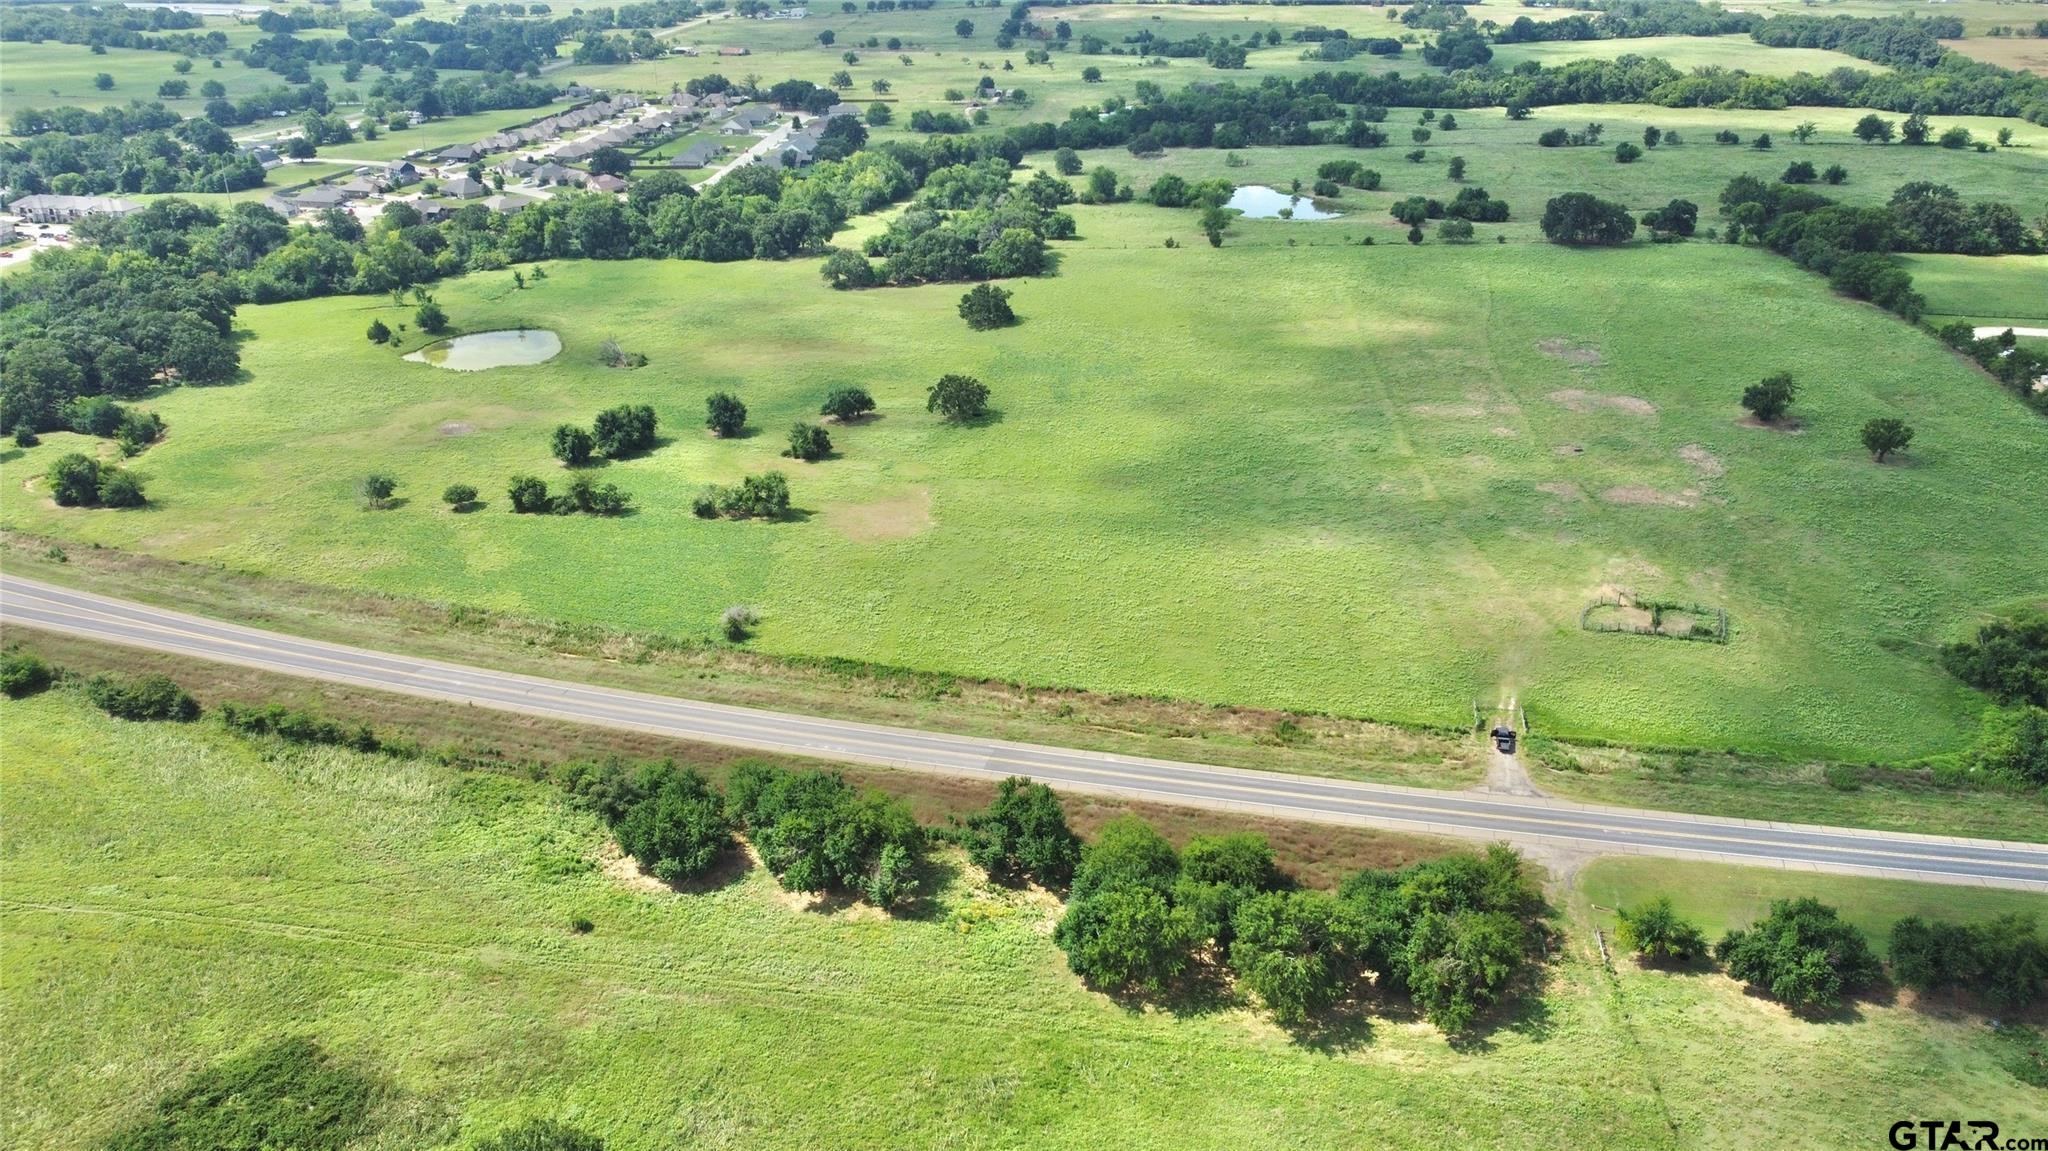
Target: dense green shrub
(74,480)
(1127,937)
(572,445)
(145,697)
(724,414)
(23,673)
(459,495)
(986,306)
(1455,931)
(754,497)
(1655,932)
(808,442)
(1296,951)
(2002,959)
(678,828)
(530,495)
(624,430)
(958,398)
(1023,835)
(2008,659)
(816,833)
(847,403)
(1801,954)
(1126,852)
(286,1093)
(296,726)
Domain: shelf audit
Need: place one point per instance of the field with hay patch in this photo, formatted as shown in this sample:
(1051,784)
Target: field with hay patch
(1376,481)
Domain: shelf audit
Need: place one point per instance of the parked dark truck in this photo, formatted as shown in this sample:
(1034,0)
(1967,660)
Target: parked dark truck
(1504,739)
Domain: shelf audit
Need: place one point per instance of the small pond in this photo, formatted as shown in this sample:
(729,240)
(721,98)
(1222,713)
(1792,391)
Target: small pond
(1259,202)
(506,349)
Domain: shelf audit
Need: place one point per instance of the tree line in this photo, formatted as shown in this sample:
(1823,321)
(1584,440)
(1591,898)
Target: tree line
(1803,954)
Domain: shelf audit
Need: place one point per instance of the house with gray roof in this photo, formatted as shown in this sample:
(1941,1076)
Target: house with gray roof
(698,155)
(463,188)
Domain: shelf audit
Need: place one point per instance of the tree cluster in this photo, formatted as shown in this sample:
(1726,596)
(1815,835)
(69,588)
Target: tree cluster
(530,496)
(1801,954)
(148,697)
(1453,933)
(816,833)
(2003,960)
(76,480)
(669,819)
(764,497)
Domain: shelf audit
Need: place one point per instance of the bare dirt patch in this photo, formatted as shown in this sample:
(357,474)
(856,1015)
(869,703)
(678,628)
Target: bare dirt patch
(1567,492)
(1505,431)
(897,517)
(1581,400)
(456,428)
(1571,352)
(1571,449)
(1450,411)
(1708,464)
(1643,494)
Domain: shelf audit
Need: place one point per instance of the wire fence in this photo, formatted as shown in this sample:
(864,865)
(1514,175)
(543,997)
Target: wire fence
(1707,624)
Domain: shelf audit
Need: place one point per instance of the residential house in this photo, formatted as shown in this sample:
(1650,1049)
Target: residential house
(734,50)
(750,119)
(463,188)
(506,203)
(698,155)
(459,154)
(319,198)
(361,187)
(606,184)
(556,174)
(48,209)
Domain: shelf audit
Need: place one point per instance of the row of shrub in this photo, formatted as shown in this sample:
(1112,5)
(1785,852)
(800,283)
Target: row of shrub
(1804,955)
(1453,934)
(814,831)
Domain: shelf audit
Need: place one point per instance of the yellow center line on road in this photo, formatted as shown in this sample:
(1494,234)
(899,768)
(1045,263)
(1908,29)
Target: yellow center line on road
(755,729)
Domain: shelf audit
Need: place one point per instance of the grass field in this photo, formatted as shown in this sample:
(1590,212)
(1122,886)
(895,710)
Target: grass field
(1687,53)
(415,922)
(51,74)
(1722,898)
(2003,290)
(1342,480)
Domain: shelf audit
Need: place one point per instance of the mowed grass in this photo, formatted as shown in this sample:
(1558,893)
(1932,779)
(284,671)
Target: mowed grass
(2003,289)
(1502,156)
(51,74)
(176,895)
(1723,897)
(1687,53)
(1378,482)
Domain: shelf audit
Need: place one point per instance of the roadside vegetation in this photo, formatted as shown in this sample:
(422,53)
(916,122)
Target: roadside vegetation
(435,860)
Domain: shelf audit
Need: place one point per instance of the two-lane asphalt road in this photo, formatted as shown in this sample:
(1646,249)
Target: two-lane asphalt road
(1517,819)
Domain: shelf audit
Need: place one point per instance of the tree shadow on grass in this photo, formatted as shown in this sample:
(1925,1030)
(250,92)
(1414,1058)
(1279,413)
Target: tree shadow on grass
(734,864)
(10,455)
(989,418)
(1849,1010)
(935,875)
(468,507)
(1345,1028)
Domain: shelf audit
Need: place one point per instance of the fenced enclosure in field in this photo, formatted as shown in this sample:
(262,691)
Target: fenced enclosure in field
(1624,611)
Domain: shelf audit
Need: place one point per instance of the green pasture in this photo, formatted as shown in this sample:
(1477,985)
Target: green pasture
(1687,53)
(1373,481)
(177,896)
(1723,897)
(2003,289)
(50,74)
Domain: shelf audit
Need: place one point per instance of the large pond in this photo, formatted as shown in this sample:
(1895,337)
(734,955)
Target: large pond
(1262,203)
(506,349)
